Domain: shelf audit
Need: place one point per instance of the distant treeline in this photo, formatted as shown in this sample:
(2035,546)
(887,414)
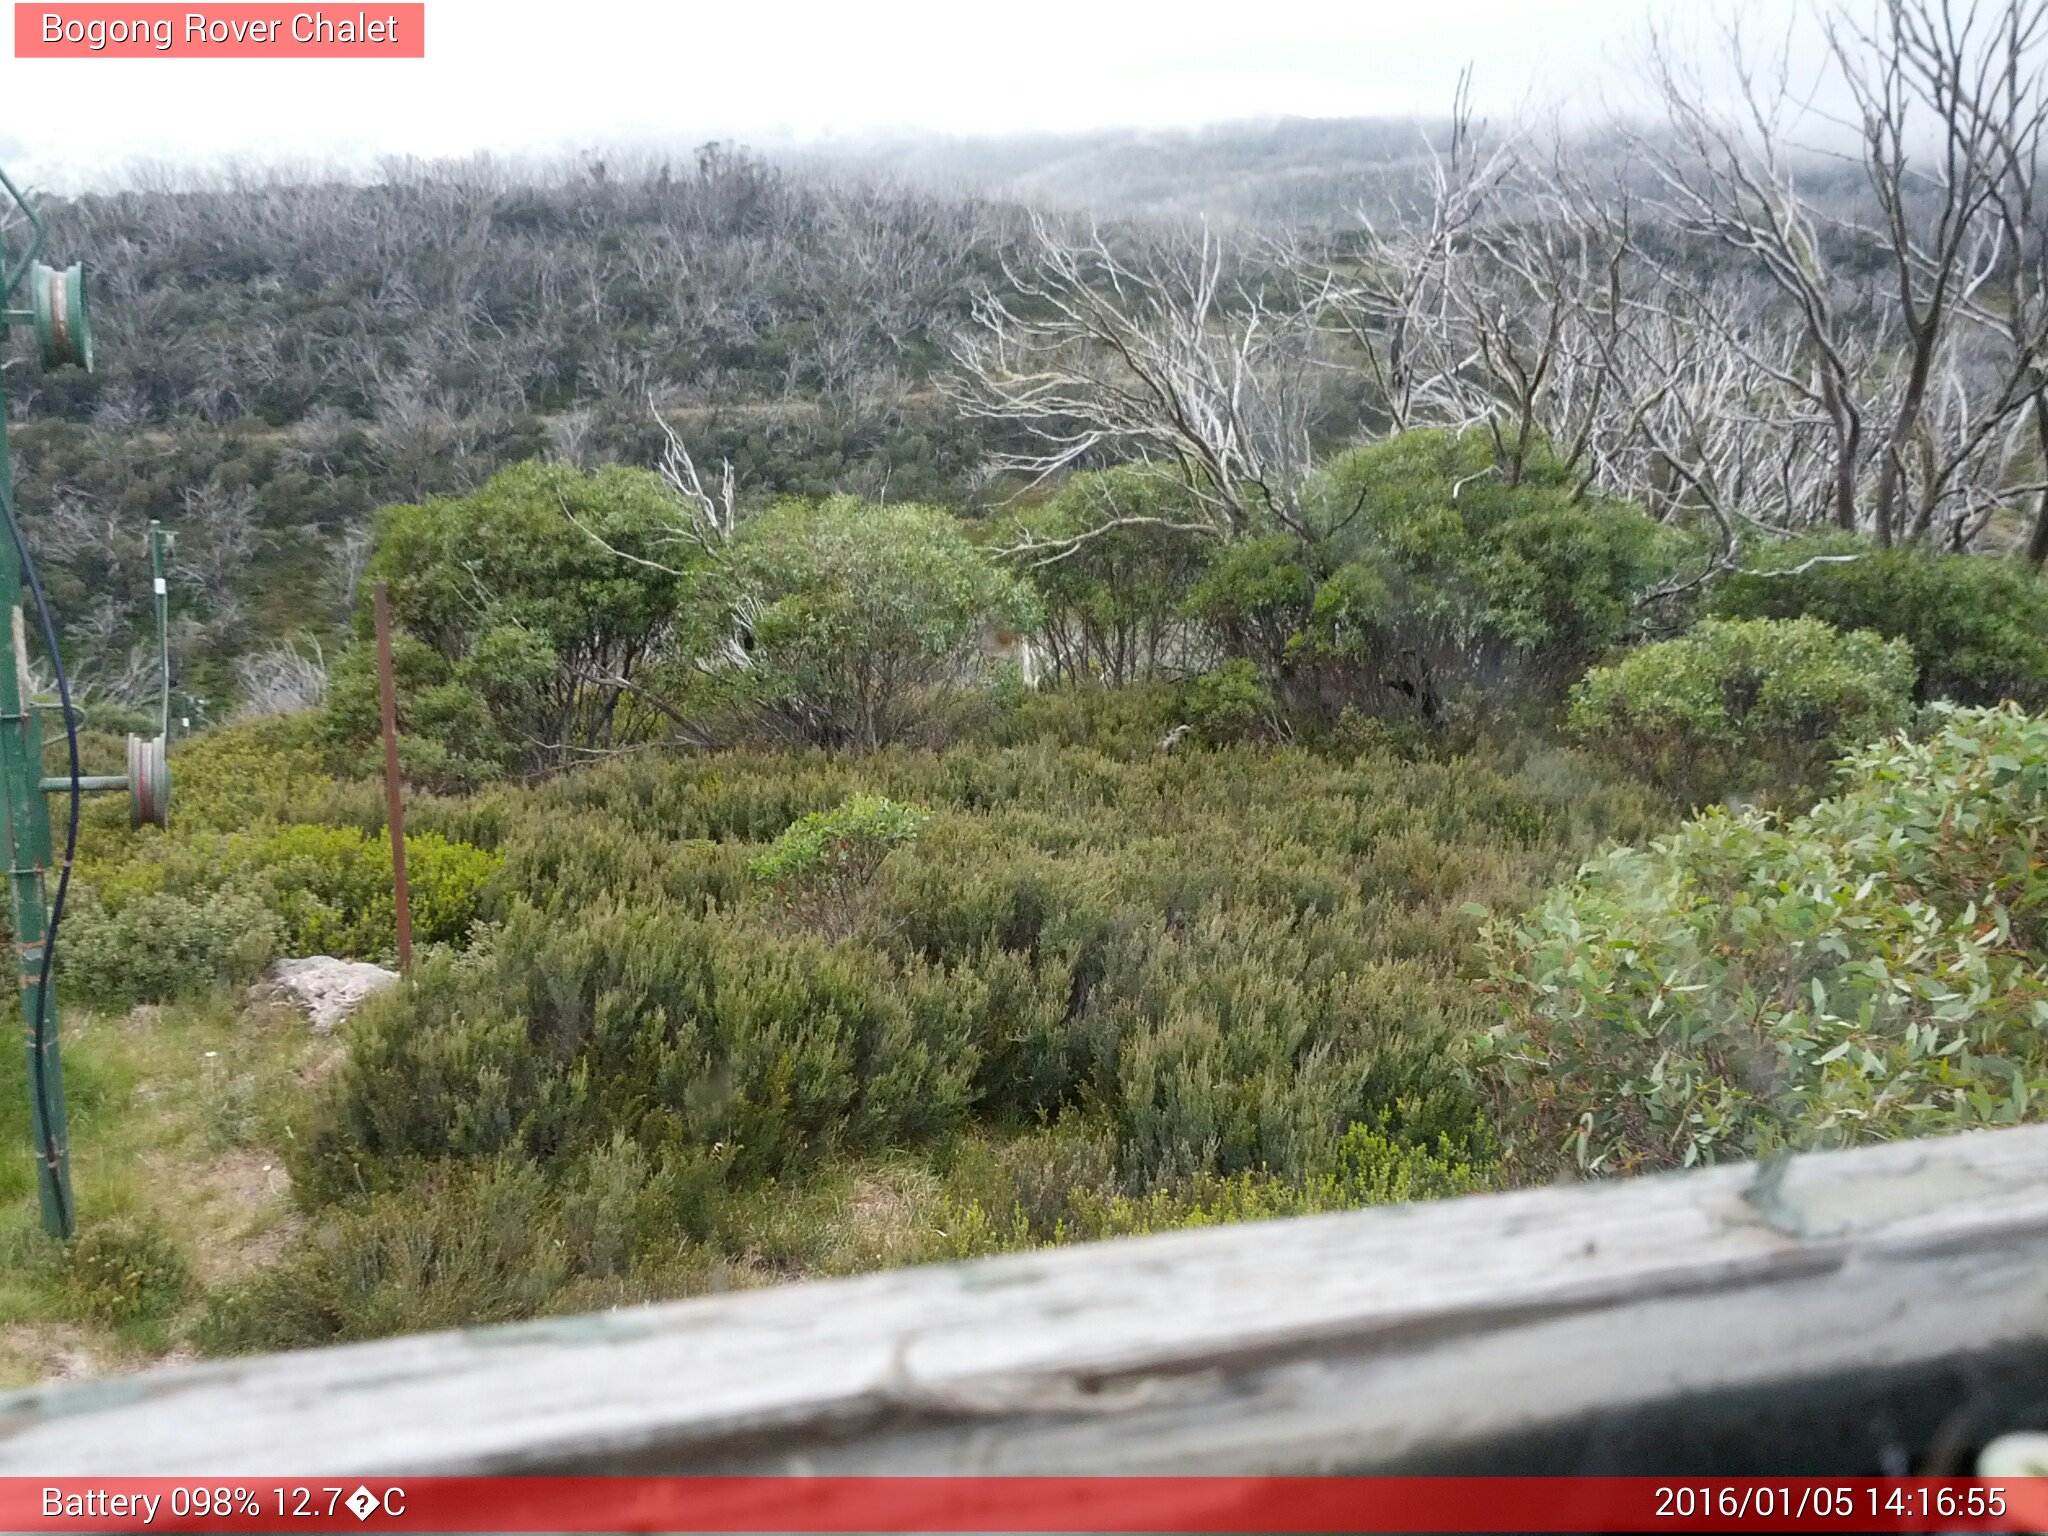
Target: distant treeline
(278,358)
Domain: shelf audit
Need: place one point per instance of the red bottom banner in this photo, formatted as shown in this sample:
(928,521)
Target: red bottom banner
(1021,1504)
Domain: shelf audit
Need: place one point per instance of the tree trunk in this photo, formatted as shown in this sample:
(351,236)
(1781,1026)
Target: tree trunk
(2037,545)
(1848,438)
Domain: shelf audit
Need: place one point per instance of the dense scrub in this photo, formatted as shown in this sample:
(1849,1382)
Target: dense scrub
(268,855)
(770,925)
(1084,989)
(278,359)
(1439,586)
(850,950)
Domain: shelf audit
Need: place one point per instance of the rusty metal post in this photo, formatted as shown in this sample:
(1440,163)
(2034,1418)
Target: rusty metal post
(393,795)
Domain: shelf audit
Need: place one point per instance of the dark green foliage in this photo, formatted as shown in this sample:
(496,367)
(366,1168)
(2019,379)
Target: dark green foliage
(1113,603)
(1434,583)
(1255,597)
(1459,579)
(1737,705)
(1978,624)
(1118,722)
(1231,704)
(1875,968)
(521,634)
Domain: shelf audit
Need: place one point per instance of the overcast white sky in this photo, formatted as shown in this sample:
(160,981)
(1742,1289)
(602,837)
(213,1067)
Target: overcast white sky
(521,75)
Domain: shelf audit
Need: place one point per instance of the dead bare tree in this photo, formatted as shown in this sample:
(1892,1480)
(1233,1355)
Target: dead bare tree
(351,558)
(1994,105)
(1731,179)
(282,679)
(1913,415)
(706,523)
(218,537)
(1164,352)
(1394,297)
(1920,74)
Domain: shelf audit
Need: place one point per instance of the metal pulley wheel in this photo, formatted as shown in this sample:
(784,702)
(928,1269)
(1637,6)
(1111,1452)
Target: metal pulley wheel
(149,782)
(62,327)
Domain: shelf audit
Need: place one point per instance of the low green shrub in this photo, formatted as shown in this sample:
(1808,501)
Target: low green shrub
(1254,598)
(1877,967)
(1231,704)
(1737,705)
(125,1269)
(1058,1186)
(184,912)
(460,1246)
(161,944)
(331,886)
(822,864)
(272,769)
(1232,978)
(1119,723)
(1448,576)
(1978,624)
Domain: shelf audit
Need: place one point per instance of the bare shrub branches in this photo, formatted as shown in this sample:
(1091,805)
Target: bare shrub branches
(1162,351)
(282,679)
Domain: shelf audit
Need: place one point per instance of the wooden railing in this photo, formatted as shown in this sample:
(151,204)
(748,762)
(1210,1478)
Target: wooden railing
(1878,1309)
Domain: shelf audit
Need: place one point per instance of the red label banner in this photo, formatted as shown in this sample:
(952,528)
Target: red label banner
(1004,1504)
(223,31)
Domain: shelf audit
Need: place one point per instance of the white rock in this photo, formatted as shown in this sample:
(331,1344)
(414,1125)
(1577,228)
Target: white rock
(328,989)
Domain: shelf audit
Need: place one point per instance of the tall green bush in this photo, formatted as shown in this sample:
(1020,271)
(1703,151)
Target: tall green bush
(861,620)
(1431,577)
(1112,602)
(520,635)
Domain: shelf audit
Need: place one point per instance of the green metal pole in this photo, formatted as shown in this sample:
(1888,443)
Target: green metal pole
(27,821)
(163,630)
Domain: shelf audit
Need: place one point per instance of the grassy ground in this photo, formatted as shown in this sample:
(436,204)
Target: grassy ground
(178,1119)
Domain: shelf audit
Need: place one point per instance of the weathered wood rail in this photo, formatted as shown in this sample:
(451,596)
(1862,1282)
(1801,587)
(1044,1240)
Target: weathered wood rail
(1871,1310)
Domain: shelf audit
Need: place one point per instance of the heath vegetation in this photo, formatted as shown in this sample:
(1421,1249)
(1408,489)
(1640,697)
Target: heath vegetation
(932,730)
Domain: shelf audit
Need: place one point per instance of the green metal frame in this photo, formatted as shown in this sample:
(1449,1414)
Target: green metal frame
(57,313)
(27,827)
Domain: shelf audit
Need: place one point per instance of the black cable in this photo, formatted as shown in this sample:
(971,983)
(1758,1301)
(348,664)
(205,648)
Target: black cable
(53,1153)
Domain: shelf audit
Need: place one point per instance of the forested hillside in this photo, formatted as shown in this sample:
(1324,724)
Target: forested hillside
(278,359)
(1291,171)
